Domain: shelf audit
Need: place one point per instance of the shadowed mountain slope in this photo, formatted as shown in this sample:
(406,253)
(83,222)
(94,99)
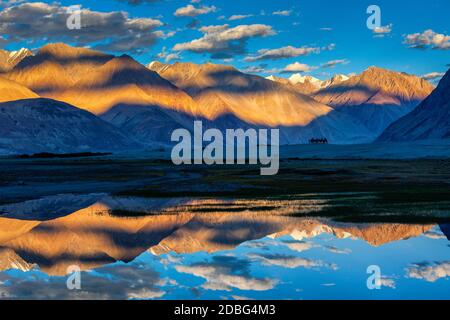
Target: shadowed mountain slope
(223,90)
(429,121)
(44,125)
(95,81)
(377,97)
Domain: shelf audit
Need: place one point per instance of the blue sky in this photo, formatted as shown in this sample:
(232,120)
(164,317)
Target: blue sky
(333,31)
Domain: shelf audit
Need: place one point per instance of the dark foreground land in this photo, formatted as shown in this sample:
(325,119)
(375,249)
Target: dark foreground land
(394,190)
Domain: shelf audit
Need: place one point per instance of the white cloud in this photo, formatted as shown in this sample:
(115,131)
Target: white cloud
(300,246)
(239,17)
(107,283)
(337,250)
(387,282)
(428,39)
(290,262)
(217,279)
(235,297)
(112,31)
(284,52)
(221,41)
(168,57)
(227,273)
(282,13)
(433,76)
(381,31)
(333,63)
(254,69)
(297,67)
(191,11)
(429,271)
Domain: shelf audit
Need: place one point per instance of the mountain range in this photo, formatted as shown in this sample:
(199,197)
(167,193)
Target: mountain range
(141,105)
(225,91)
(376,97)
(308,84)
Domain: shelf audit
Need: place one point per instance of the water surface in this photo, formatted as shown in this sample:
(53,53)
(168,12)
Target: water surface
(196,248)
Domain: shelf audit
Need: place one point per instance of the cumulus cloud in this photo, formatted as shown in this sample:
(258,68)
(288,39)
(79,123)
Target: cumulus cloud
(429,271)
(111,31)
(116,282)
(284,52)
(333,63)
(297,67)
(226,273)
(428,39)
(221,41)
(191,11)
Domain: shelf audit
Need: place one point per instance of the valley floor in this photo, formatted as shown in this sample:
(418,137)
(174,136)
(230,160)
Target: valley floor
(403,183)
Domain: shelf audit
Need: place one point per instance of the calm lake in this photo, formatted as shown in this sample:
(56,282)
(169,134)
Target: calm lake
(280,247)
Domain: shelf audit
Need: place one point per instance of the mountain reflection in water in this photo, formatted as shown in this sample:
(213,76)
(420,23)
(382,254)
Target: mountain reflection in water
(208,248)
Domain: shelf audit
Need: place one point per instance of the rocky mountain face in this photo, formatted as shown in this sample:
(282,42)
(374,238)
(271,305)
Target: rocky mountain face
(9,59)
(119,89)
(148,103)
(95,81)
(377,97)
(44,125)
(223,90)
(429,121)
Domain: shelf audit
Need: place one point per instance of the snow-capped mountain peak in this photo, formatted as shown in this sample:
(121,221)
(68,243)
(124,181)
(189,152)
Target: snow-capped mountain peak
(271,78)
(338,78)
(19,55)
(298,78)
(9,59)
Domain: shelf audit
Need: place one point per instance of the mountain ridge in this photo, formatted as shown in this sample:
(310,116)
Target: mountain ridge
(221,89)
(10,91)
(45,125)
(429,120)
(376,97)
(9,59)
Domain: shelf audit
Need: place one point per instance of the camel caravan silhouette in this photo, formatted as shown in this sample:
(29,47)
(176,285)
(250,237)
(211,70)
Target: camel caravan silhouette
(318,141)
